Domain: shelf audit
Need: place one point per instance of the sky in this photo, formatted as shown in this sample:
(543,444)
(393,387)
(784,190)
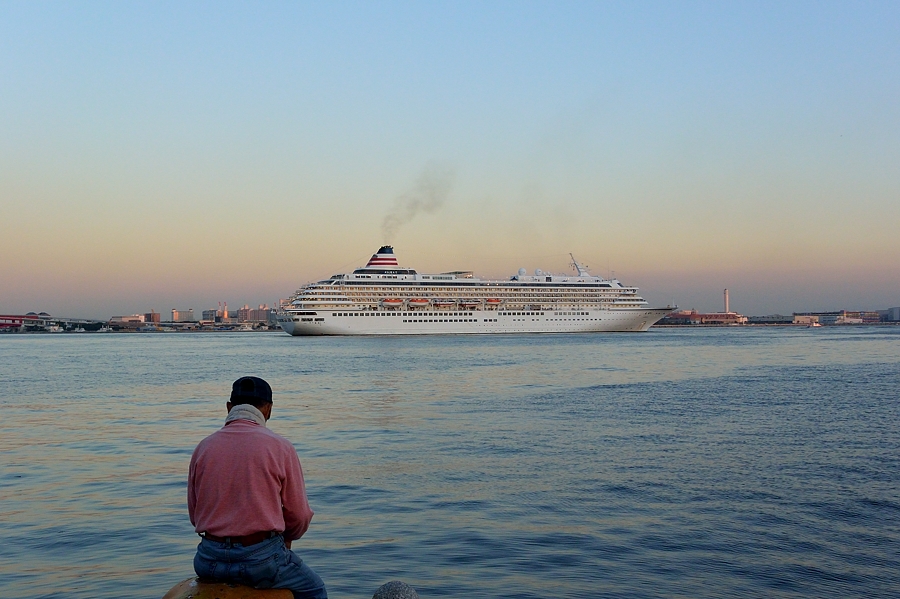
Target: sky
(159,155)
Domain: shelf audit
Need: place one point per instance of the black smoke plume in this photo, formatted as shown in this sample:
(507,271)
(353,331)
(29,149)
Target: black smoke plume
(428,195)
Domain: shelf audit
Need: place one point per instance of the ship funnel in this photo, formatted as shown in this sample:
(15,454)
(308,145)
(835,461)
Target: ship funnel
(384,257)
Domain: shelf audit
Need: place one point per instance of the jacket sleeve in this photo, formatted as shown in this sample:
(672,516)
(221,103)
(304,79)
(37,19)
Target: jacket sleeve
(294,504)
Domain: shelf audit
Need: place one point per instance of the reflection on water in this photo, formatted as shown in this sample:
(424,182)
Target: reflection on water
(701,463)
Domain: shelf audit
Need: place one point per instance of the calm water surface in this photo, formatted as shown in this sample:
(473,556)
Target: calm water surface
(677,463)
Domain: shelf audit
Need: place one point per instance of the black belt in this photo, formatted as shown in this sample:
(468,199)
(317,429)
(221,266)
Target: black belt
(246,540)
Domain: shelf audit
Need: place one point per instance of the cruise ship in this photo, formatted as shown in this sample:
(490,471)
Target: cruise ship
(383,298)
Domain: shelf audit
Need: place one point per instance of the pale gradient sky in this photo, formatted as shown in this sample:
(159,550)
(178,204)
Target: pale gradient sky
(157,155)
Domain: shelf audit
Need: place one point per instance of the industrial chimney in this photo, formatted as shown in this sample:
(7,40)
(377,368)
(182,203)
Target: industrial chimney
(726,302)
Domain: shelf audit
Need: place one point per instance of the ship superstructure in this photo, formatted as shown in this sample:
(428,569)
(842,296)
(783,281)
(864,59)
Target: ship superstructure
(383,298)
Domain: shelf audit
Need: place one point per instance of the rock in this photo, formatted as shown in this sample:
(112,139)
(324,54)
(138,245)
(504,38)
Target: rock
(395,589)
(193,588)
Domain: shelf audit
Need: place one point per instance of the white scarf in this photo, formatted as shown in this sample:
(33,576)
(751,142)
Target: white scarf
(245,411)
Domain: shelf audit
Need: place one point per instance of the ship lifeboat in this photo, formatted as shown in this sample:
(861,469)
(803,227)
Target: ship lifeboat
(469,303)
(391,302)
(494,301)
(419,302)
(443,303)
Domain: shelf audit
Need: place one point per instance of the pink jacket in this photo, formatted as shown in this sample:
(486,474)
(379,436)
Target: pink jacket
(245,479)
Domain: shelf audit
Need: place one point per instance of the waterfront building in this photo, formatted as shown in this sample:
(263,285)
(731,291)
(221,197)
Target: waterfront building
(152,317)
(183,315)
(692,317)
(263,314)
(16,323)
(243,314)
(771,319)
(131,322)
(890,315)
(132,319)
(843,317)
(33,322)
(807,319)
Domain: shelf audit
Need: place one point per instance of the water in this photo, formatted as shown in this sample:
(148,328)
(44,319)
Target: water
(676,463)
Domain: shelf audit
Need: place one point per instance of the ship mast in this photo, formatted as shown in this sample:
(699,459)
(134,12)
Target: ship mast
(582,270)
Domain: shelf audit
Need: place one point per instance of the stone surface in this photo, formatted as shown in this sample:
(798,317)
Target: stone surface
(192,588)
(395,589)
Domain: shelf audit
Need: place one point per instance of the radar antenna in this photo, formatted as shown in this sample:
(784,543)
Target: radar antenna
(581,268)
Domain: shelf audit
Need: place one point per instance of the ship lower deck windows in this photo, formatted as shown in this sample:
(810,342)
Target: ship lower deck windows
(444,320)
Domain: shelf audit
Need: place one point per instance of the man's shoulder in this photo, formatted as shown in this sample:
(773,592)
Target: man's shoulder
(250,429)
(273,435)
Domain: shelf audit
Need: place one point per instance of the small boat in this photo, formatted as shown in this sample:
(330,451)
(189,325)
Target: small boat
(391,302)
(469,304)
(418,302)
(494,301)
(443,303)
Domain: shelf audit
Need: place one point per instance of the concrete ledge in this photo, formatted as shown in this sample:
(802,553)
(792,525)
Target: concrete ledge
(193,588)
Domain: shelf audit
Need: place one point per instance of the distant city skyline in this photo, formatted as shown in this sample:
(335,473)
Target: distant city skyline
(169,156)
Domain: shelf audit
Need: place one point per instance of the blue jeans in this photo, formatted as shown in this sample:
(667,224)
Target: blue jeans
(266,565)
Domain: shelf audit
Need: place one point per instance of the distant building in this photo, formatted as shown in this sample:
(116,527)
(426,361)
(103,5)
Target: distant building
(890,315)
(27,322)
(771,319)
(132,319)
(209,315)
(183,315)
(692,317)
(152,316)
(842,317)
(867,316)
(243,314)
(807,319)
(14,322)
(9,322)
(262,314)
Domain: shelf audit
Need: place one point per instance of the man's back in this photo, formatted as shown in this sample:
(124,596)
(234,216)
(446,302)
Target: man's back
(244,479)
(247,499)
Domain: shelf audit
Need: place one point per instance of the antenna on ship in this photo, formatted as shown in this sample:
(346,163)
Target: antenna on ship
(582,269)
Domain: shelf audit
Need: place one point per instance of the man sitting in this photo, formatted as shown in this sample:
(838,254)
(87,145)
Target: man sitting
(247,499)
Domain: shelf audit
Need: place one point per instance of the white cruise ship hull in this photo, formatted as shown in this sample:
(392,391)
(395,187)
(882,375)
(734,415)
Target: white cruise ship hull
(384,322)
